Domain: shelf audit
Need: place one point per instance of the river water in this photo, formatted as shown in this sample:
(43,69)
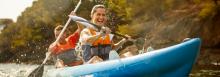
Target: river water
(19,70)
(23,70)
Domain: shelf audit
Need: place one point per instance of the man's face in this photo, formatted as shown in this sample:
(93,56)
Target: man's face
(99,17)
(62,38)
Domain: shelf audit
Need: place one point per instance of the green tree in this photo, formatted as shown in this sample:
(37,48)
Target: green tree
(33,31)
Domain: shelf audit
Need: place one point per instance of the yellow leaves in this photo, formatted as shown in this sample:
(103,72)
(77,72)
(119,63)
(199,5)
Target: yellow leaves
(120,7)
(125,29)
(197,1)
(37,37)
(129,13)
(132,30)
(120,13)
(208,10)
(169,3)
(21,37)
(17,43)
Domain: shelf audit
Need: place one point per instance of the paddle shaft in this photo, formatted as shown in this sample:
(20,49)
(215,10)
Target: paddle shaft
(99,28)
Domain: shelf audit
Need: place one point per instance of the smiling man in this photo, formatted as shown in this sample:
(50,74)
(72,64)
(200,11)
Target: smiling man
(63,52)
(96,43)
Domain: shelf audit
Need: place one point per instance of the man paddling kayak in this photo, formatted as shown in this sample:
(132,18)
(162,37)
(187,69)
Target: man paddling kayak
(63,52)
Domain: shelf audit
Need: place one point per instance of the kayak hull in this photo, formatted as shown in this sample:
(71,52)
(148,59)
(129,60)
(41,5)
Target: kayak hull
(173,61)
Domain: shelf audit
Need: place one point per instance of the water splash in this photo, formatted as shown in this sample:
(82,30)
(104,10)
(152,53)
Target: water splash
(18,70)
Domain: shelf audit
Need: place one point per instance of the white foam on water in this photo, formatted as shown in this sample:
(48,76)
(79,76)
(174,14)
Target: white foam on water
(18,70)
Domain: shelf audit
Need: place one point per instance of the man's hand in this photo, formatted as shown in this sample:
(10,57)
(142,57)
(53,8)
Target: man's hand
(72,13)
(102,32)
(80,27)
(129,38)
(106,30)
(52,47)
(48,54)
(50,50)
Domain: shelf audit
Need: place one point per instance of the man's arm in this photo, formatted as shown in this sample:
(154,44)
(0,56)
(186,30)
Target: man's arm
(79,26)
(51,50)
(87,37)
(120,43)
(73,38)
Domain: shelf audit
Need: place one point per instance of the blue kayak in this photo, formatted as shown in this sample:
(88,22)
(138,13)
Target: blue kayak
(173,61)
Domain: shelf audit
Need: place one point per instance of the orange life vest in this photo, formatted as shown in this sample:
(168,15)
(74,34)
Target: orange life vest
(101,41)
(70,44)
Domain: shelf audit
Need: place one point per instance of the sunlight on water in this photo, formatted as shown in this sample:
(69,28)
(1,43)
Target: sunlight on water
(18,70)
(206,73)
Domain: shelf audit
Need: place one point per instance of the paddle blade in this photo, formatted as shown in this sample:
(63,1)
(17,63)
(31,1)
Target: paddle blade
(38,72)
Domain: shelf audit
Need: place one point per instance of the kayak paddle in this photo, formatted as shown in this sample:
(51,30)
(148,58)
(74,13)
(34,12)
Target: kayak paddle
(38,72)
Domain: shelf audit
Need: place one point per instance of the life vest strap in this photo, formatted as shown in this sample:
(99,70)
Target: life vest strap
(102,45)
